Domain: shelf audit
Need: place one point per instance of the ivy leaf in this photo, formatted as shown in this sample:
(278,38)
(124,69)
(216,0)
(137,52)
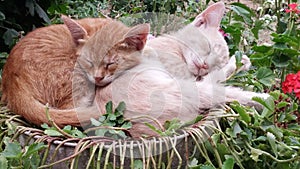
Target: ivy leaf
(12,150)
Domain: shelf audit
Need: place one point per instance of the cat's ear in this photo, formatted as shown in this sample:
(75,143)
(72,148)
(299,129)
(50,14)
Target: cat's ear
(211,16)
(137,36)
(78,33)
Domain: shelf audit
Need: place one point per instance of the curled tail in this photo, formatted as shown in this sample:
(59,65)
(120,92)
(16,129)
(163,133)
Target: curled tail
(35,112)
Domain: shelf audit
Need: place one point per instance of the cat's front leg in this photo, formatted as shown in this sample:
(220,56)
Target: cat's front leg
(244,97)
(246,64)
(220,75)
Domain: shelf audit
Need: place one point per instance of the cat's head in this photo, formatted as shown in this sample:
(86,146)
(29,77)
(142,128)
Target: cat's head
(208,48)
(111,51)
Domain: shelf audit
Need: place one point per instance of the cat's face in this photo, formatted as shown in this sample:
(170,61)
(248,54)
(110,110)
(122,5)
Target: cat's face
(211,51)
(113,50)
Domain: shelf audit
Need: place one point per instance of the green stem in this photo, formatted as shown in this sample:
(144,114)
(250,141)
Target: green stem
(55,125)
(272,157)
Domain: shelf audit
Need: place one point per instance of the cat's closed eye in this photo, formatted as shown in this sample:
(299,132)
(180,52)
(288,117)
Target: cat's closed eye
(109,65)
(90,63)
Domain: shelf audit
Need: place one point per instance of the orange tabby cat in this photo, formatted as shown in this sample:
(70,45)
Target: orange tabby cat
(39,70)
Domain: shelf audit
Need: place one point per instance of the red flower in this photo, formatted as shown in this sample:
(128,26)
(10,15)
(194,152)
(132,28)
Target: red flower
(289,83)
(297,90)
(293,8)
(292,84)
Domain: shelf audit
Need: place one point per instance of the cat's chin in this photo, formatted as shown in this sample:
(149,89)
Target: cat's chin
(102,83)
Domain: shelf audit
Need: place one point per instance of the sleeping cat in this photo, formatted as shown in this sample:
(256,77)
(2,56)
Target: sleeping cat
(143,83)
(199,44)
(39,70)
(127,72)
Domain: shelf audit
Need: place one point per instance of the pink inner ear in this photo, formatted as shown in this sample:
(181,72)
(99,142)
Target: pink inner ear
(212,16)
(138,41)
(76,30)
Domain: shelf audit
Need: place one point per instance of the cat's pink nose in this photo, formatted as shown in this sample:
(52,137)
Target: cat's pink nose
(98,79)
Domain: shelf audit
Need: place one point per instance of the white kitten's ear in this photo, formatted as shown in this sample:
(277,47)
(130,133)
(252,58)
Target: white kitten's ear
(78,33)
(211,16)
(137,36)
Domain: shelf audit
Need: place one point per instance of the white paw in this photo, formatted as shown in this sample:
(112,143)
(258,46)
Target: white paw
(246,63)
(231,66)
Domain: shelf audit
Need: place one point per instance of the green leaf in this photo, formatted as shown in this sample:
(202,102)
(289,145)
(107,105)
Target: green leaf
(33,148)
(255,153)
(206,167)
(3,162)
(242,112)
(269,103)
(30,5)
(112,117)
(193,163)
(102,118)
(78,134)
(257,27)
(96,122)
(2,16)
(271,140)
(9,36)
(172,124)
(121,107)
(42,14)
(154,129)
(127,125)
(121,134)
(12,150)
(101,132)
(67,128)
(52,132)
(109,107)
(138,164)
(228,164)
(262,49)
(236,129)
(243,11)
(265,76)
(45,126)
(282,104)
